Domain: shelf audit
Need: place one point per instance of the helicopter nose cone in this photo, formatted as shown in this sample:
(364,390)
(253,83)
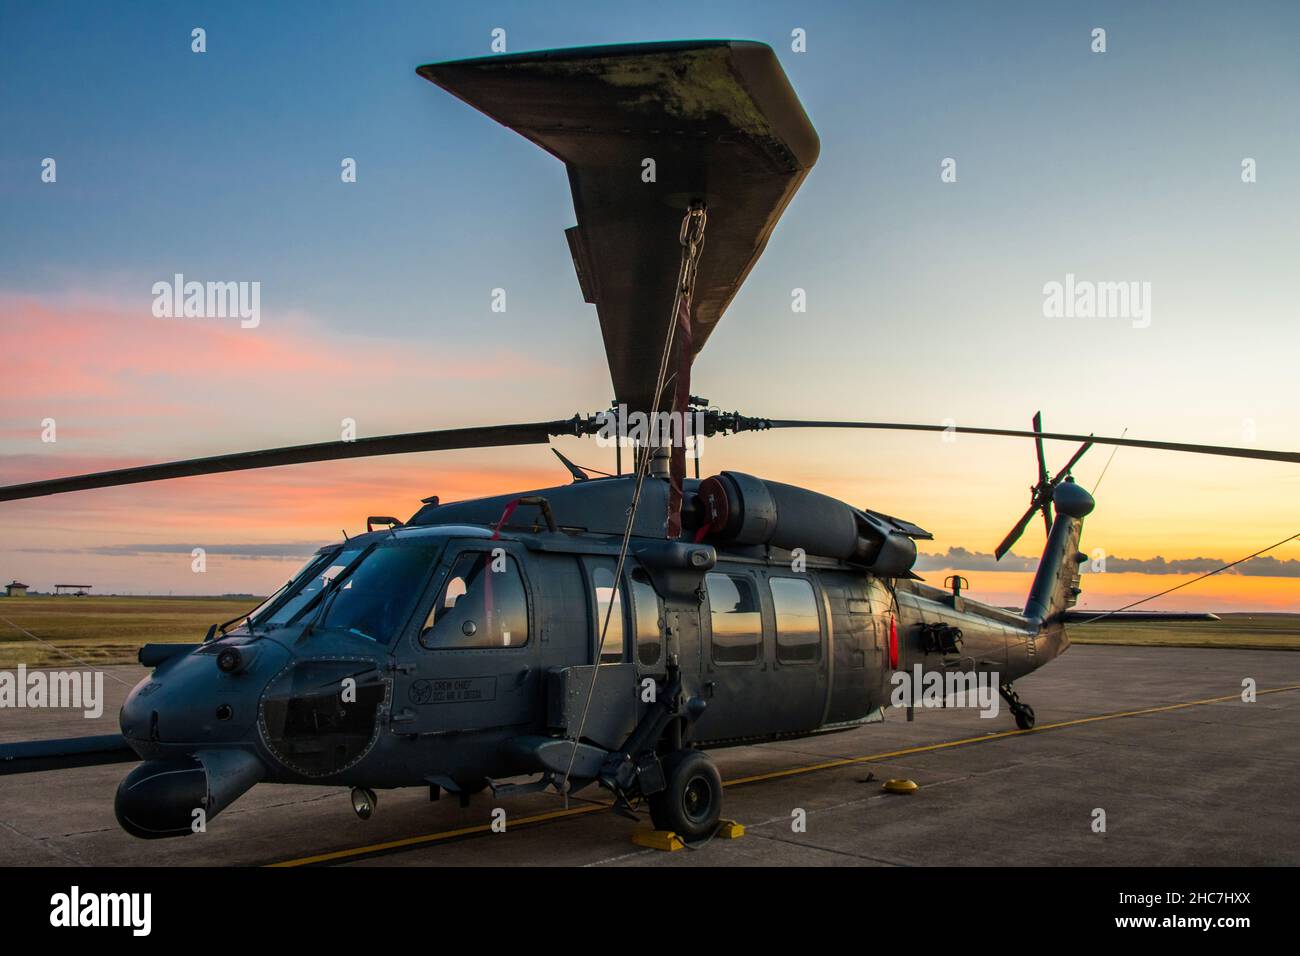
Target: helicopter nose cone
(157,798)
(1071,499)
(176,796)
(191,700)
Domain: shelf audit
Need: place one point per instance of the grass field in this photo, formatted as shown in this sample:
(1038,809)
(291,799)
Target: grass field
(105,630)
(1256,631)
(109,630)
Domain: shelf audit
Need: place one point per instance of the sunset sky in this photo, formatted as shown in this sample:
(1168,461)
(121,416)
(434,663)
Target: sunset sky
(925,298)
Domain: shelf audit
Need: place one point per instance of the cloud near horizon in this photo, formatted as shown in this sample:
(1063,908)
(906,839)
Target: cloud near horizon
(248,551)
(960,559)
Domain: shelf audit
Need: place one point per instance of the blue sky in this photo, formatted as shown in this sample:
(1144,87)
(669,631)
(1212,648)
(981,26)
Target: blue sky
(227,162)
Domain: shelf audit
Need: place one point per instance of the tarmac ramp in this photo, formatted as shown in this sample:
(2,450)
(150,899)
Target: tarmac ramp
(1157,738)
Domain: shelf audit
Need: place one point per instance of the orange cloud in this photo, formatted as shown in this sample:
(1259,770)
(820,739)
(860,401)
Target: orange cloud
(89,365)
(126,388)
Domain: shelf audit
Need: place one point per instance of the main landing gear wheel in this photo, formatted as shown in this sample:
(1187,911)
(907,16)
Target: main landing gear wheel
(1024,715)
(692,802)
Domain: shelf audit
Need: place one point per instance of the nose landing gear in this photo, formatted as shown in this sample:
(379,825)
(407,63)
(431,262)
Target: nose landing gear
(1023,713)
(364,802)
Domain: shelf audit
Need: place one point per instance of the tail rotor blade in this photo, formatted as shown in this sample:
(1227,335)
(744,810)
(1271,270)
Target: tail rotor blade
(1014,534)
(1074,459)
(1038,446)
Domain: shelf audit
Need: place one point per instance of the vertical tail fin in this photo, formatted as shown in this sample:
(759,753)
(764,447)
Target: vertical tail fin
(1056,584)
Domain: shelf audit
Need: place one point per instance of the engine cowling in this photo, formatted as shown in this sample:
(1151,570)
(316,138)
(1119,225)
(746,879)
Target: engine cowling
(736,508)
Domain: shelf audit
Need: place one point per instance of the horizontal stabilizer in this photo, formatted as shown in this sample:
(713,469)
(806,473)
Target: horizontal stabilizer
(1132,617)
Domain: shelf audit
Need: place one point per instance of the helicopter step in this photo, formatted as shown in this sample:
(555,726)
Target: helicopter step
(546,780)
(1023,713)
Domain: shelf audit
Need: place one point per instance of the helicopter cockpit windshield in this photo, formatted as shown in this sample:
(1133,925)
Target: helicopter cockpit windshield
(366,591)
(280,609)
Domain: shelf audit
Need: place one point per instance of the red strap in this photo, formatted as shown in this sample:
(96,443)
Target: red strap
(505,516)
(893,643)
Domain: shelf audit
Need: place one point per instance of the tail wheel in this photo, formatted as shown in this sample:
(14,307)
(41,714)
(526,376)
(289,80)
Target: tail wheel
(692,802)
(1025,717)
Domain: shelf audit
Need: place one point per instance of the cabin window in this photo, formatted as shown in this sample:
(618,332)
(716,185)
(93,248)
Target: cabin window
(647,614)
(798,629)
(736,622)
(482,604)
(602,581)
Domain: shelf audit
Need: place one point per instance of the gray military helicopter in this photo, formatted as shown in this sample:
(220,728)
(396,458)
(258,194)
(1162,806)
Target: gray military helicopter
(612,630)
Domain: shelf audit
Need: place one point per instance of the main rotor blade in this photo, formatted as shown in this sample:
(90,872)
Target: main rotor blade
(725,128)
(489,436)
(1228,451)
(1038,446)
(1014,534)
(31,756)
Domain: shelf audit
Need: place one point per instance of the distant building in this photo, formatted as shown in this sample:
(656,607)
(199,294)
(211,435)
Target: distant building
(76,590)
(15,589)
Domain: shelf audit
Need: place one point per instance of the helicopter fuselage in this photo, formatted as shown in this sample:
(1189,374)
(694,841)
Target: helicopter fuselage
(458,655)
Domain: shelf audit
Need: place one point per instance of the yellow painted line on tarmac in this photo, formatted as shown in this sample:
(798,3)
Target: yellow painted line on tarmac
(850,761)
(542,818)
(437,837)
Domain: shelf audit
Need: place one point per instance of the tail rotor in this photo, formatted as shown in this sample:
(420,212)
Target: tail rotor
(1040,495)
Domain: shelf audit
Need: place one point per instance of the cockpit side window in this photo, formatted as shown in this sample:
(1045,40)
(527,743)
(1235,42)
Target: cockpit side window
(482,604)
